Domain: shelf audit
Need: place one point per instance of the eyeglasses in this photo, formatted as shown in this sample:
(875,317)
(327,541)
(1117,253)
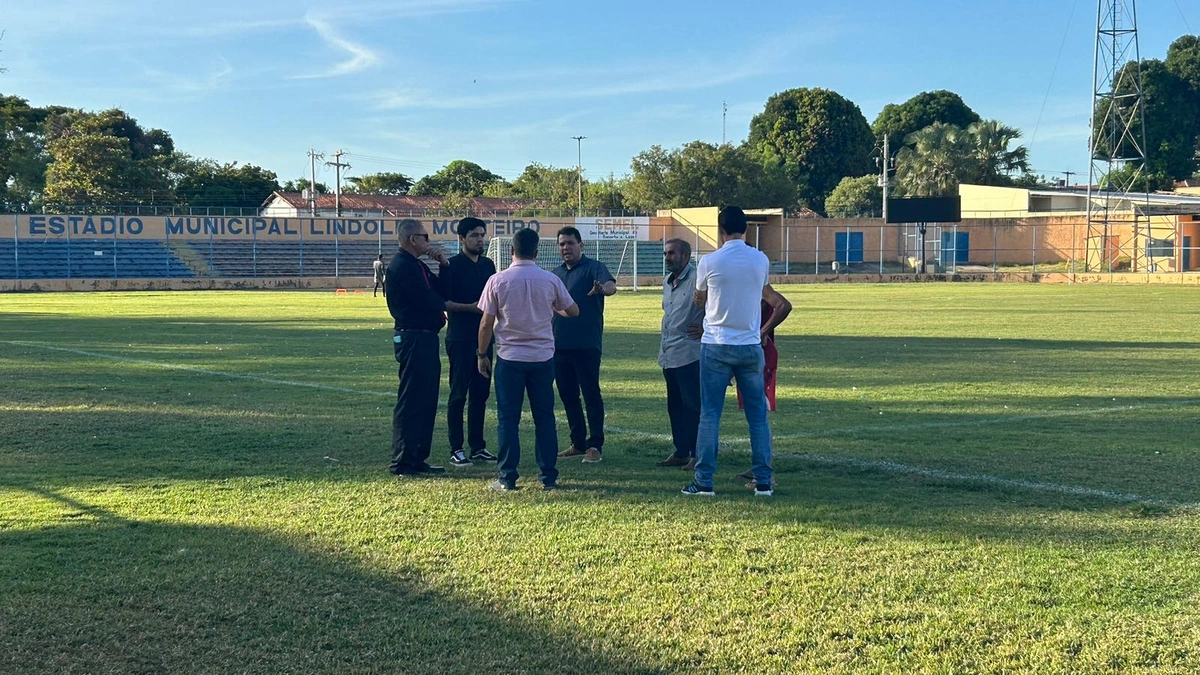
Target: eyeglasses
(423,236)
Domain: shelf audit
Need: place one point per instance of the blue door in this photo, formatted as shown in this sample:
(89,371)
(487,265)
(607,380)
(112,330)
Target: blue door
(849,249)
(1187,253)
(955,250)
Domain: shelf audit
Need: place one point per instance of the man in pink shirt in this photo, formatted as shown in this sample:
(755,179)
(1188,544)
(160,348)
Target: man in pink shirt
(518,307)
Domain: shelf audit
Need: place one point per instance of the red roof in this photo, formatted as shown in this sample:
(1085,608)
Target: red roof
(399,204)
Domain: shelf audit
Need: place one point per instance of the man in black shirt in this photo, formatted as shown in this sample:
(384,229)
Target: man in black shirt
(416,299)
(577,345)
(468,272)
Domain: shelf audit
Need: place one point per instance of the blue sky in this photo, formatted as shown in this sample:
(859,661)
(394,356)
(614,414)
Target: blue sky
(408,85)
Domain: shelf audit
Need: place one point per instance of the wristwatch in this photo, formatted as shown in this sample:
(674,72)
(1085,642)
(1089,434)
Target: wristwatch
(482,355)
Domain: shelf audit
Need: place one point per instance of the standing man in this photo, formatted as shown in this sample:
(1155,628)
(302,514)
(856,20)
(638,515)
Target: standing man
(679,352)
(417,301)
(578,343)
(378,267)
(519,306)
(729,285)
(469,271)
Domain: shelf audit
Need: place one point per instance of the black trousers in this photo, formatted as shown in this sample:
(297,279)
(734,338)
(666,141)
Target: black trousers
(469,390)
(683,407)
(578,371)
(416,398)
(378,285)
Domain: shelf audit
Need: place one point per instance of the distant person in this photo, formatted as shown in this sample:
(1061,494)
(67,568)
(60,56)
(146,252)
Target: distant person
(378,265)
(729,285)
(679,352)
(578,344)
(519,306)
(469,271)
(417,301)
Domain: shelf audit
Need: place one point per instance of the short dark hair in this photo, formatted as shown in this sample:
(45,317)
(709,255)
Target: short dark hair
(466,225)
(525,243)
(571,231)
(732,220)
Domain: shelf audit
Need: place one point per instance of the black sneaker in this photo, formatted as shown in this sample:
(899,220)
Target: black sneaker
(549,486)
(694,490)
(502,486)
(763,490)
(459,458)
(482,455)
(431,470)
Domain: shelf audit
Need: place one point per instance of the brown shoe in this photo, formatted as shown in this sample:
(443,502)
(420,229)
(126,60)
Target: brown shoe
(672,460)
(571,452)
(747,475)
(592,456)
(690,466)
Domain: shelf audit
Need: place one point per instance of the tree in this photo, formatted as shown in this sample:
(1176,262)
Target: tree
(89,168)
(1183,59)
(460,177)
(860,197)
(106,158)
(384,183)
(936,159)
(302,184)
(1172,121)
(23,158)
(204,182)
(552,187)
(991,160)
(703,174)
(897,121)
(817,135)
(932,161)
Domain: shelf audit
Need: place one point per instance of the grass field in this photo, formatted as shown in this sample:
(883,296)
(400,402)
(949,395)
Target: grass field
(972,478)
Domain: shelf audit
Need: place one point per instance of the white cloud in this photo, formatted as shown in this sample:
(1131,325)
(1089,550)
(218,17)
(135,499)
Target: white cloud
(361,57)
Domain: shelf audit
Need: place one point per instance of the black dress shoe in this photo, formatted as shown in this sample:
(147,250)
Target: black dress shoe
(432,470)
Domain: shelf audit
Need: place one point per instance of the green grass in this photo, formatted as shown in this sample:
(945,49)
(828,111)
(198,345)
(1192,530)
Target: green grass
(973,478)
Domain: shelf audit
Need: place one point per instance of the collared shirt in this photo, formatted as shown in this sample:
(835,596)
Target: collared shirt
(416,297)
(585,331)
(378,266)
(524,299)
(679,312)
(464,283)
(734,276)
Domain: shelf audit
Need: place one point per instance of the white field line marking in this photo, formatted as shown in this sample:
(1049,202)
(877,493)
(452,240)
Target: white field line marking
(194,369)
(918,426)
(742,443)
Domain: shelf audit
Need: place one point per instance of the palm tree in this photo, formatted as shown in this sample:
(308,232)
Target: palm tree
(932,161)
(991,161)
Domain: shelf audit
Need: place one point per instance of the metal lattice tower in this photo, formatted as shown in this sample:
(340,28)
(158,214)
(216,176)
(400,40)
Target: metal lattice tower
(1117,142)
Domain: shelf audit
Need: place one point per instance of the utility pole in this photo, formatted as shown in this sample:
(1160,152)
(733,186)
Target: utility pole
(579,171)
(313,156)
(337,165)
(885,165)
(1068,174)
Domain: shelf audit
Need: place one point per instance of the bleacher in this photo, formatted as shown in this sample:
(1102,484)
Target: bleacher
(284,259)
(616,255)
(89,259)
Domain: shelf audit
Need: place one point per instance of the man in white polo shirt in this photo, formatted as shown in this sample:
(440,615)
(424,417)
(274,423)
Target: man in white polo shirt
(729,285)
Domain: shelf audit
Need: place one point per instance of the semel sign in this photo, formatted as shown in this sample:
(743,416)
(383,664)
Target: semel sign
(614,229)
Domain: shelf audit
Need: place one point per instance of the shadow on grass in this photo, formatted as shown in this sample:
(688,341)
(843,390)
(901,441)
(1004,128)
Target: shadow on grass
(153,597)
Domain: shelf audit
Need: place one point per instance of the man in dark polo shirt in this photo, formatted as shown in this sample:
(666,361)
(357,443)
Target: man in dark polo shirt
(578,343)
(469,271)
(416,298)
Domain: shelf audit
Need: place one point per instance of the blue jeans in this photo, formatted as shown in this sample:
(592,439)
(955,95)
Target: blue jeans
(745,363)
(513,379)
